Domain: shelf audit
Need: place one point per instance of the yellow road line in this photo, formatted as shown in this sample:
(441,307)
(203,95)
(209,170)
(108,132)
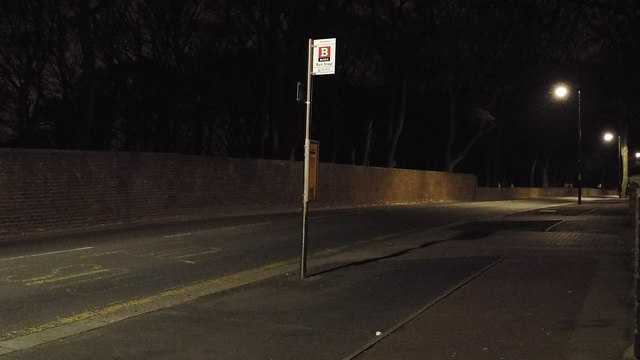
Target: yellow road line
(63,278)
(170,297)
(58,274)
(91,319)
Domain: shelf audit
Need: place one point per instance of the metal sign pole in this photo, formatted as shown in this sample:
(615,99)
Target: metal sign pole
(324,64)
(305,196)
(579,150)
(634,201)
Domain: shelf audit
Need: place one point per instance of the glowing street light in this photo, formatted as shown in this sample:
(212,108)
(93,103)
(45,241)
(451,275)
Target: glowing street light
(608,137)
(562,92)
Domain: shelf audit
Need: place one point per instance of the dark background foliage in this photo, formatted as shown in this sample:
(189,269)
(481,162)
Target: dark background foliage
(453,85)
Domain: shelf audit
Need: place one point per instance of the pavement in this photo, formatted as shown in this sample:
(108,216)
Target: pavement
(554,283)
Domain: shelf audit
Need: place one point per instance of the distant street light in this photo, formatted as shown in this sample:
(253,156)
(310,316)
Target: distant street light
(608,137)
(637,155)
(562,92)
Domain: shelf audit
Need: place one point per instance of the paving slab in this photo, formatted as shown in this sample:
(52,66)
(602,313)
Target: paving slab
(527,307)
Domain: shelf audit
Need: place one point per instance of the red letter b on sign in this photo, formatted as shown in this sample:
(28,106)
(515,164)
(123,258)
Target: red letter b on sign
(324,53)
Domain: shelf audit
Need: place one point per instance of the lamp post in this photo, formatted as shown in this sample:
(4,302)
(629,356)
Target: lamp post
(562,92)
(608,137)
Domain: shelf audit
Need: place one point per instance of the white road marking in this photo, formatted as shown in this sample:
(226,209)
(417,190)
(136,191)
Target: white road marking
(216,229)
(107,253)
(205,252)
(47,253)
(336,215)
(177,235)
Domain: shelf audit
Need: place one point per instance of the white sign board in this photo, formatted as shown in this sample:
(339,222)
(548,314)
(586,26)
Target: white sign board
(324,56)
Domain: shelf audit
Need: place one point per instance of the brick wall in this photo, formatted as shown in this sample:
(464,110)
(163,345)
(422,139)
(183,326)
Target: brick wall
(342,185)
(46,189)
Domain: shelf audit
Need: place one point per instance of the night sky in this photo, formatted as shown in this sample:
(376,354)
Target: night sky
(447,85)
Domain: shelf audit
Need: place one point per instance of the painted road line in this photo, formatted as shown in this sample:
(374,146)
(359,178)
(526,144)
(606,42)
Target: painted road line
(63,327)
(176,235)
(224,228)
(60,274)
(71,325)
(54,279)
(178,253)
(106,253)
(320,216)
(200,253)
(109,274)
(47,253)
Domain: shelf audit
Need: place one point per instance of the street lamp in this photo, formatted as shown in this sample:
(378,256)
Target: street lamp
(562,92)
(608,137)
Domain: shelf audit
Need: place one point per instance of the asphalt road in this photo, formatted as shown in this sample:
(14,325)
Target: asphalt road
(52,280)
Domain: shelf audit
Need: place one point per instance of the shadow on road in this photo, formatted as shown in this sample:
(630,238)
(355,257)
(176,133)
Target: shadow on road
(465,235)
